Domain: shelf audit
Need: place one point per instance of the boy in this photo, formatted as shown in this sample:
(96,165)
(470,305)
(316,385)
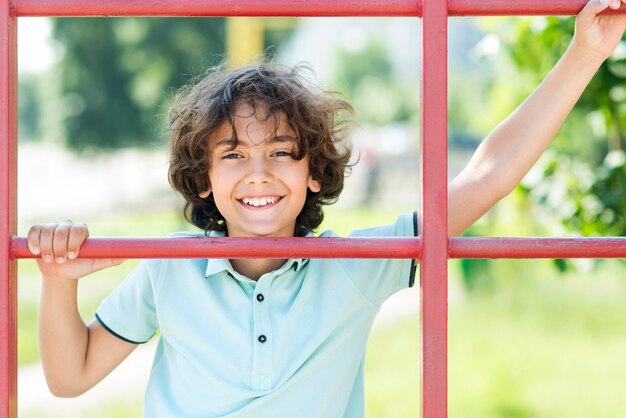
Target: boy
(255,153)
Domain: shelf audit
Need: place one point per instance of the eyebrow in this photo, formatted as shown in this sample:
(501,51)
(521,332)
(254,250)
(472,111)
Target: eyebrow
(232,142)
(283,138)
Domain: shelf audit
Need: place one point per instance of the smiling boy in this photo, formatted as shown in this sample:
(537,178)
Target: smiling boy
(262,187)
(256,153)
(257,184)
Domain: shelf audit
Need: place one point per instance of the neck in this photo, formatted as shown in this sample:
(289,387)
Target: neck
(256,267)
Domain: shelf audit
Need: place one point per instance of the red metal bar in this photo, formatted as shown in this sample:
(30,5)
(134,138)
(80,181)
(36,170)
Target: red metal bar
(8,211)
(217,8)
(515,8)
(434,224)
(458,247)
(289,7)
(240,248)
(437,246)
(532,247)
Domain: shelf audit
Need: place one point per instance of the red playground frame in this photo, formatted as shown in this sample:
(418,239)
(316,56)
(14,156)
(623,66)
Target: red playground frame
(433,247)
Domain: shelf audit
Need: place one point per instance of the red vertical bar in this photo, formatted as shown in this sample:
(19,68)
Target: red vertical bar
(434,266)
(8,206)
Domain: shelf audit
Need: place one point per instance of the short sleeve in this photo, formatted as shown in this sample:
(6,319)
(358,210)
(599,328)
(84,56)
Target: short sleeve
(378,279)
(129,312)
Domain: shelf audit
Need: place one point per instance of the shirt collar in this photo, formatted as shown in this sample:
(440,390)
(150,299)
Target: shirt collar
(218,265)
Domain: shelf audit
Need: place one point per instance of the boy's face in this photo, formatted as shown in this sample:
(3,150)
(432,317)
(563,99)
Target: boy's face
(258,186)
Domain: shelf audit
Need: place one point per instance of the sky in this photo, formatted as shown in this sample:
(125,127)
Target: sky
(35,51)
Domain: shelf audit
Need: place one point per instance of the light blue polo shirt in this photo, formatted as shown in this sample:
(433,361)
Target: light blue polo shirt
(291,344)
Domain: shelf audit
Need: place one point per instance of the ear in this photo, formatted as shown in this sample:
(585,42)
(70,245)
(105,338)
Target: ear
(314,185)
(205,194)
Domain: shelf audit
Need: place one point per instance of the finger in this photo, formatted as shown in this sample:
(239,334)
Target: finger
(59,242)
(593,7)
(45,242)
(33,238)
(587,15)
(78,234)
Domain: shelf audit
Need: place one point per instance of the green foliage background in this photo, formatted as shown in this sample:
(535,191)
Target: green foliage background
(118,74)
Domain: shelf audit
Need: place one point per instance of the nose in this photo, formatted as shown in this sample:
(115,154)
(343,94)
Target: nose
(259,170)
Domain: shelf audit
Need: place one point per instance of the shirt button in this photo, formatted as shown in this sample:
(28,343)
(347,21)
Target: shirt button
(262,338)
(260,297)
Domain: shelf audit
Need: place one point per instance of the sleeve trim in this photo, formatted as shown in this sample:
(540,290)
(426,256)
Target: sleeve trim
(413,269)
(116,334)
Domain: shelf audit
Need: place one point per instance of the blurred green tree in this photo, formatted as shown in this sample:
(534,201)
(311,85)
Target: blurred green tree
(535,44)
(28,109)
(113,84)
(366,77)
(117,75)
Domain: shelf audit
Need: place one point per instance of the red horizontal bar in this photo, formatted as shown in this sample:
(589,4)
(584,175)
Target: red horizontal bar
(239,248)
(458,247)
(531,247)
(217,7)
(289,7)
(515,8)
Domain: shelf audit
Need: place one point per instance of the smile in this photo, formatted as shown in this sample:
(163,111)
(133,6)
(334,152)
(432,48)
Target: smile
(260,201)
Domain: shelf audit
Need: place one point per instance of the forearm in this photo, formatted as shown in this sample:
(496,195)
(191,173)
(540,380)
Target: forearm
(63,337)
(510,150)
(507,153)
(514,146)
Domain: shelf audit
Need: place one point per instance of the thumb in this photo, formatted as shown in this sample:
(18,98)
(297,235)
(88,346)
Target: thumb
(102,263)
(591,9)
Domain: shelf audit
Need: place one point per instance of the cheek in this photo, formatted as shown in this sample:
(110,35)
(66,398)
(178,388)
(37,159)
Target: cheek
(219,185)
(222,203)
(220,190)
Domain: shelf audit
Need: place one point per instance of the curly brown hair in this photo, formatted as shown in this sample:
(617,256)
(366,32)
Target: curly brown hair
(314,115)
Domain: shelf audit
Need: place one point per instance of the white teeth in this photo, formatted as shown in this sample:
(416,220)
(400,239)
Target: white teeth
(256,201)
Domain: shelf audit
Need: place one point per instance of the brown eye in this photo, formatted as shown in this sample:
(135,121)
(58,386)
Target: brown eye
(231,156)
(282,154)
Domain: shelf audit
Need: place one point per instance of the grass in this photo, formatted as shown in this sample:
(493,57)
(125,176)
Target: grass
(540,345)
(392,371)
(536,345)
(121,410)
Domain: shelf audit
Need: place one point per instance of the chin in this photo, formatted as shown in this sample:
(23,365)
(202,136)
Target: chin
(267,233)
(263,229)
(264,234)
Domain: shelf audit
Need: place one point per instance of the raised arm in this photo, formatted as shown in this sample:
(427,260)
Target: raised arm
(511,149)
(74,356)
